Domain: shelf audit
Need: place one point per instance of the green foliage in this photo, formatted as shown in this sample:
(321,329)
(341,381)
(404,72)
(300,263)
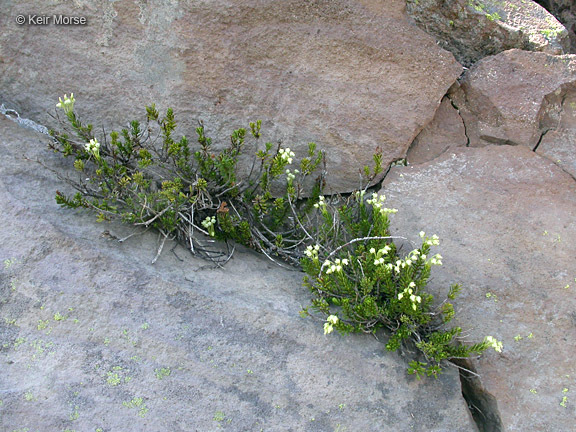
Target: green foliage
(359,278)
(148,176)
(363,283)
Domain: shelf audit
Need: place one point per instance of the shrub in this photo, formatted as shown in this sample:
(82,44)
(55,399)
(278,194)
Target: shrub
(360,280)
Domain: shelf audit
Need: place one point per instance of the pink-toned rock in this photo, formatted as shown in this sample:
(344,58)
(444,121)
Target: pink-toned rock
(501,97)
(351,76)
(558,119)
(92,336)
(446,130)
(505,218)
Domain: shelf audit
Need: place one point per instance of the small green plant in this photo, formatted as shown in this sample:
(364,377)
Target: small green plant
(137,403)
(360,280)
(366,284)
(146,176)
(162,373)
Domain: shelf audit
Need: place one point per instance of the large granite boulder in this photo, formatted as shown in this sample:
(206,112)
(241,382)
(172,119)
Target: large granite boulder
(472,30)
(505,218)
(351,76)
(95,338)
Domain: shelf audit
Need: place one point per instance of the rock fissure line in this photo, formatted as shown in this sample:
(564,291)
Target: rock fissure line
(461,118)
(542,135)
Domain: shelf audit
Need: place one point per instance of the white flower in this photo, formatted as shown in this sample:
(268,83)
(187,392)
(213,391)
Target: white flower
(289,176)
(491,341)
(312,251)
(93,146)
(412,284)
(67,104)
(286,154)
(321,202)
(328,328)
(372,251)
(209,221)
(422,234)
(333,319)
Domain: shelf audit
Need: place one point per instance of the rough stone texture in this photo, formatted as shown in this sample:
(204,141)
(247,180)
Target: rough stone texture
(240,357)
(559,115)
(505,218)
(349,75)
(565,12)
(502,99)
(444,131)
(472,30)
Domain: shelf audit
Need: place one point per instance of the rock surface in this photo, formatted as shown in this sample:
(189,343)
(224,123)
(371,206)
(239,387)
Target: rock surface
(93,336)
(351,76)
(559,136)
(444,131)
(505,218)
(503,99)
(472,30)
(565,12)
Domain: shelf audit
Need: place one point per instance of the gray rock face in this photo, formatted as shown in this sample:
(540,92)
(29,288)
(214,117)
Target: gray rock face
(472,30)
(505,99)
(93,336)
(505,218)
(350,76)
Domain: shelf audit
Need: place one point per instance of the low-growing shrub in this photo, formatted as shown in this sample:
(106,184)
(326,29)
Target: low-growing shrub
(360,280)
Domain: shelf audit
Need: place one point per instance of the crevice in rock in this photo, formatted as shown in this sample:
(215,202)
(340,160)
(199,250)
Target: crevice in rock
(482,405)
(461,118)
(542,135)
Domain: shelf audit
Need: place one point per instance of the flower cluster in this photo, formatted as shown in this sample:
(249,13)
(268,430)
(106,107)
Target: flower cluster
(93,146)
(436,260)
(321,203)
(494,343)
(329,324)
(336,266)
(312,251)
(291,176)
(379,255)
(209,223)
(67,104)
(430,241)
(410,292)
(377,201)
(286,154)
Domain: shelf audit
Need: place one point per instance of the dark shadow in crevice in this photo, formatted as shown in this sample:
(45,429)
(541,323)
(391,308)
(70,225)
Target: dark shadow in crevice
(482,405)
